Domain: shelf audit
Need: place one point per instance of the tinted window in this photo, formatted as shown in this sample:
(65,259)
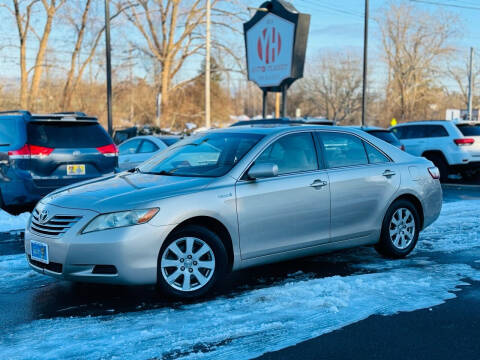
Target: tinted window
(343,149)
(470,130)
(208,155)
(375,156)
(67,135)
(8,131)
(420,131)
(385,136)
(129,147)
(435,131)
(292,153)
(147,147)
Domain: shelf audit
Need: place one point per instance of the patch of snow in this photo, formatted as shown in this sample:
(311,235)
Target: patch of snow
(457,228)
(242,327)
(16,275)
(11,222)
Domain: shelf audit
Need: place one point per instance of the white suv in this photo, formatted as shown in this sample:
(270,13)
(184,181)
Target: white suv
(452,146)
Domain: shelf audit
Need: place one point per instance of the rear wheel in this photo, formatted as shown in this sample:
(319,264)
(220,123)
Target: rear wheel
(441,164)
(400,230)
(191,262)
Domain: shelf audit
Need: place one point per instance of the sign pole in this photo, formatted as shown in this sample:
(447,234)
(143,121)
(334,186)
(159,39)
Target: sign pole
(284,101)
(264,105)
(108,52)
(365,64)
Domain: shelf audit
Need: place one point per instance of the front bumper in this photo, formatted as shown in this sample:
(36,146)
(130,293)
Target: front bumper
(132,251)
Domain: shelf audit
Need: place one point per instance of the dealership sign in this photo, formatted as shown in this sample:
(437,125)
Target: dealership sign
(275,40)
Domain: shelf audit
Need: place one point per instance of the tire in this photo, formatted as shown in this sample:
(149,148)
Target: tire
(441,164)
(398,240)
(182,272)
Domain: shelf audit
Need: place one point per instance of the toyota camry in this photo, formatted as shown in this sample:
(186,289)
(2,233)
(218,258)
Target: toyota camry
(234,198)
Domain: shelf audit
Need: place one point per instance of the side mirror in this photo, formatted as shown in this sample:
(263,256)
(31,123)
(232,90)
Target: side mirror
(263,170)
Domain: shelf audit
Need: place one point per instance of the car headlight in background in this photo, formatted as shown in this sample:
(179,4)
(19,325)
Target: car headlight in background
(120,219)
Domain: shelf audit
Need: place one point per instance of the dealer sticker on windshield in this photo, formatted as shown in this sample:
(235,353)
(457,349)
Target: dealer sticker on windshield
(77,169)
(39,251)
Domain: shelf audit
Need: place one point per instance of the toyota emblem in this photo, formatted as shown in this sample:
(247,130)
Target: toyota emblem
(43,217)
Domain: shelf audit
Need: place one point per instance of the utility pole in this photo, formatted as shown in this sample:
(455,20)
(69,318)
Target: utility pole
(108,51)
(208,124)
(470,85)
(365,65)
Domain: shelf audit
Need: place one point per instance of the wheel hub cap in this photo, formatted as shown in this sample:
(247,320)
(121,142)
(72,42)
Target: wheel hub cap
(187,264)
(402,228)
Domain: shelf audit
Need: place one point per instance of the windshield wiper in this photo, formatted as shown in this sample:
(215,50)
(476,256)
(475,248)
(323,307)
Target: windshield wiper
(134,170)
(163,172)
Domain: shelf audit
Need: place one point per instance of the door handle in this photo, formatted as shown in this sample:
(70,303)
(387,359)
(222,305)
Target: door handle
(388,173)
(318,183)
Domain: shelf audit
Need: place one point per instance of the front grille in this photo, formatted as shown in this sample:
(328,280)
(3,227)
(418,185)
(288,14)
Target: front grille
(52,266)
(55,226)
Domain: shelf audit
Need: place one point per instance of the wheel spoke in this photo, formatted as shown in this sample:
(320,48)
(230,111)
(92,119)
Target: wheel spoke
(206,264)
(202,251)
(176,250)
(186,281)
(189,246)
(170,263)
(200,277)
(171,278)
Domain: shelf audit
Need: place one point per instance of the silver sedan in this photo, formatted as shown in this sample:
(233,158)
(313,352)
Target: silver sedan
(233,198)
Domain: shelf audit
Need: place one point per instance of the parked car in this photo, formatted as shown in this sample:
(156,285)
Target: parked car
(383,134)
(41,153)
(138,149)
(233,198)
(452,147)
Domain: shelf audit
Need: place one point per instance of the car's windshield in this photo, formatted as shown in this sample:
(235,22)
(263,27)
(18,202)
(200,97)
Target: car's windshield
(207,155)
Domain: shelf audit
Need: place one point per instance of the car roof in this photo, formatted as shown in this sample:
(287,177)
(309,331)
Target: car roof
(57,116)
(368,128)
(425,122)
(279,128)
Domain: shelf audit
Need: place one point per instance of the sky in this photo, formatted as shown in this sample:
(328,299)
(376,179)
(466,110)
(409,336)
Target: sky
(335,26)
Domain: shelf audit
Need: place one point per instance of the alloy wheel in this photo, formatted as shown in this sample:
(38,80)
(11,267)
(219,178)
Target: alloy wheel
(402,228)
(187,264)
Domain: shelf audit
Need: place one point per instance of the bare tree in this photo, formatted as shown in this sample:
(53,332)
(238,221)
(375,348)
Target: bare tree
(334,85)
(414,44)
(459,74)
(172,31)
(23,16)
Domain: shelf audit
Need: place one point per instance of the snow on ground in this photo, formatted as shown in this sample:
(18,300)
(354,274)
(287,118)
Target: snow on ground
(242,327)
(16,275)
(456,229)
(11,222)
(260,320)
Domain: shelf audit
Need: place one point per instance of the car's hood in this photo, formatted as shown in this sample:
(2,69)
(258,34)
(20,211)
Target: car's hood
(124,191)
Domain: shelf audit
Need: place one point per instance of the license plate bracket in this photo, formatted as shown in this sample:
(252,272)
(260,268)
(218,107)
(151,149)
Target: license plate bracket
(39,251)
(76,169)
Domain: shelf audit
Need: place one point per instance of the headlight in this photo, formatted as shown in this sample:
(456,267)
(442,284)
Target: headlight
(120,219)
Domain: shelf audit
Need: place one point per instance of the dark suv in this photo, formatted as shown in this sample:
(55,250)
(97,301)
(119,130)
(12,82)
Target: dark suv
(40,153)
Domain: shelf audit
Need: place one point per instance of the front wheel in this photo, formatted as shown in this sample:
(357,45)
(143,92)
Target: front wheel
(400,230)
(191,262)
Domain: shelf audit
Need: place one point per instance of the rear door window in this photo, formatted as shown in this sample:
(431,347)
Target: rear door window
(67,134)
(470,130)
(435,131)
(343,150)
(129,147)
(147,147)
